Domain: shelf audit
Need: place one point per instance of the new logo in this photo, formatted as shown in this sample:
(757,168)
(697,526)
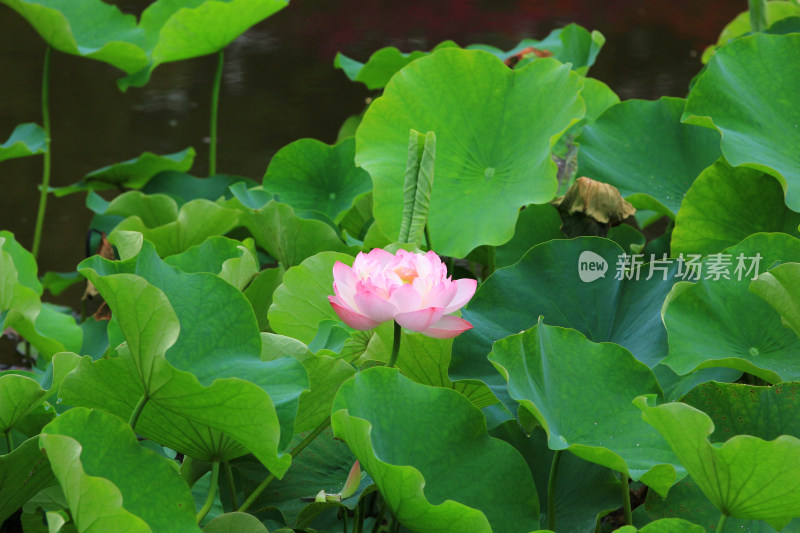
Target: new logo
(591,266)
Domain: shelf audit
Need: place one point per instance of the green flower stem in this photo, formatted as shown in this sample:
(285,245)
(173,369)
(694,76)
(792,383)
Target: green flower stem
(137,411)
(186,466)
(598,526)
(379,518)
(758,15)
(395,345)
(294,453)
(9,441)
(626,500)
(343,514)
(395,527)
(231,484)
(721,524)
(212,146)
(551,492)
(45,187)
(212,491)
(428,238)
(358,519)
(490,262)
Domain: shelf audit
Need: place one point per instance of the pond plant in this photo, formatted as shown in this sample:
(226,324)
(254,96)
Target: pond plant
(450,320)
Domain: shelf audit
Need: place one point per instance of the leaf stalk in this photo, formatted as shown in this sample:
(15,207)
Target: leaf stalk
(358,519)
(212,491)
(231,484)
(137,411)
(721,524)
(294,453)
(45,187)
(551,491)
(758,15)
(212,135)
(626,500)
(395,345)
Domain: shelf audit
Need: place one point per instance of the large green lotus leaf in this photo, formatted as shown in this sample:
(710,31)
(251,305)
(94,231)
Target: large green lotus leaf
(571,44)
(277,228)
(546,282)
(641,148)
(598,97)
(686,501)
(725,205)
(231,260)
(88,28)
(131,174)
(219,334)
(494,131)
(536,224)
(323,465)
(112,483)
(260,292)
(325,376)
(667,525)
(182,29)
(739,26)
(356,221)
(675,387)
(548,370)
(22,406)
(58,282)
(229,389)
(300,303)
(152,209)
(24,263)
(431,457)
(23,473)
(381,65)
(197,220)
(720,323)
(735,409)
(184,187)
(746,477)
(786,25)
(21,394)
(310,175)
(779,288)
(583,489)
(755,111)
(425,360)
(221,422)
(235,523)
(47,329)
(26,139)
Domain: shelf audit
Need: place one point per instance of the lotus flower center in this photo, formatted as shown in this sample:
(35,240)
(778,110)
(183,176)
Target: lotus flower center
(407,275)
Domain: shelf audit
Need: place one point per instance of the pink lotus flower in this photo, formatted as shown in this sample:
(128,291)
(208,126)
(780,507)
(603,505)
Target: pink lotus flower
(412,289)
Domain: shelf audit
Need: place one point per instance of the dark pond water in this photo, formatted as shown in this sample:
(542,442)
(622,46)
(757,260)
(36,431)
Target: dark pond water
(280,85)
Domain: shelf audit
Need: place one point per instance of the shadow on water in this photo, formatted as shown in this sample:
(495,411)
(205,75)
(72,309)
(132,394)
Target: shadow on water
(280,85)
